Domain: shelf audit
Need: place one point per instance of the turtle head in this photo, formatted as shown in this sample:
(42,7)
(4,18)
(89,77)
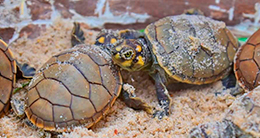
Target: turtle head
(106,39)
(131,54)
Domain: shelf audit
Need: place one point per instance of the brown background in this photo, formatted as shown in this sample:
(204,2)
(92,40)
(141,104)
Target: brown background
(154,9)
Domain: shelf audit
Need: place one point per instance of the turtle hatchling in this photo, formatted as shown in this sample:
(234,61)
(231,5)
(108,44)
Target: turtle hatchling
(78,86)
(75,88)
(191,49)
(7,76)
(247,61)
(243,116)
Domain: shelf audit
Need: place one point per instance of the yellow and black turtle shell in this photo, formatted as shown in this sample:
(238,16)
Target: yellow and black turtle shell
(7,76)
(192,48)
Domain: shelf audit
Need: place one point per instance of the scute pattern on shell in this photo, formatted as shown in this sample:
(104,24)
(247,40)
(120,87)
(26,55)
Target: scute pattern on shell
(75,87)
(245,112)
(7,76)
(247,63)
(192,49)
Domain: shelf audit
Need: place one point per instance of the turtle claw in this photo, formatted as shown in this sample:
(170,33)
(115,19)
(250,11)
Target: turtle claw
(130,99)
(165,109)
(138,104)
(18,107)
(160,114)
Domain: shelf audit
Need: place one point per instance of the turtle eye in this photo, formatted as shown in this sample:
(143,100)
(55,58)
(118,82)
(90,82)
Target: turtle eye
(127,54)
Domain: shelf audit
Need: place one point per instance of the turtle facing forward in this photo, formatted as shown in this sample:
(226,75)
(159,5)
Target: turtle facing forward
(189,49)
(75,88)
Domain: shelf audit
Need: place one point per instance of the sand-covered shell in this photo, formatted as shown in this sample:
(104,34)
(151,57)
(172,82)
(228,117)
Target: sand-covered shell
(73,88)
(7,76)
(192,48)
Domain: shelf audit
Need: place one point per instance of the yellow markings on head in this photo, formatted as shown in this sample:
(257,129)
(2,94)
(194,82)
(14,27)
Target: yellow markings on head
(101,40)
(126,63)
(113,40)
(131,66)
(138,48)
(118,48)
(123,64)
(117,56)
(123,31)
(140,60)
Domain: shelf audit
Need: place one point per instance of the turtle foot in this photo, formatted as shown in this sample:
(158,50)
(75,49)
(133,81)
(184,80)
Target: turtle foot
(160,114)
(164,111)
(130,99)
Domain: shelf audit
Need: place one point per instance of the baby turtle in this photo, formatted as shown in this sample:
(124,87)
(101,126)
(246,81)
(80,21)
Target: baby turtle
(247,61)
(75,88)
(7,76)
(189,49)
(243,116)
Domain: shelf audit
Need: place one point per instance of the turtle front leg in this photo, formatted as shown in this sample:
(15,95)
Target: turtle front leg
(130,99)
(163,96)
(231,85)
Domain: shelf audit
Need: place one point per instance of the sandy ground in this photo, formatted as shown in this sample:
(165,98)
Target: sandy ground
(191,107)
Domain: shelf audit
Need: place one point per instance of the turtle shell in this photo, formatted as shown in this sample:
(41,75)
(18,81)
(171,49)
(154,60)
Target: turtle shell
(192,48)
(7,76)
(245,112)
(75,87)
(242,119)
(247,63)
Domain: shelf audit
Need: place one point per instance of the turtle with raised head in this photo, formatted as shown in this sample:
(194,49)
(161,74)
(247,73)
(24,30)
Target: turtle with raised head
(191,49)
(76,87)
